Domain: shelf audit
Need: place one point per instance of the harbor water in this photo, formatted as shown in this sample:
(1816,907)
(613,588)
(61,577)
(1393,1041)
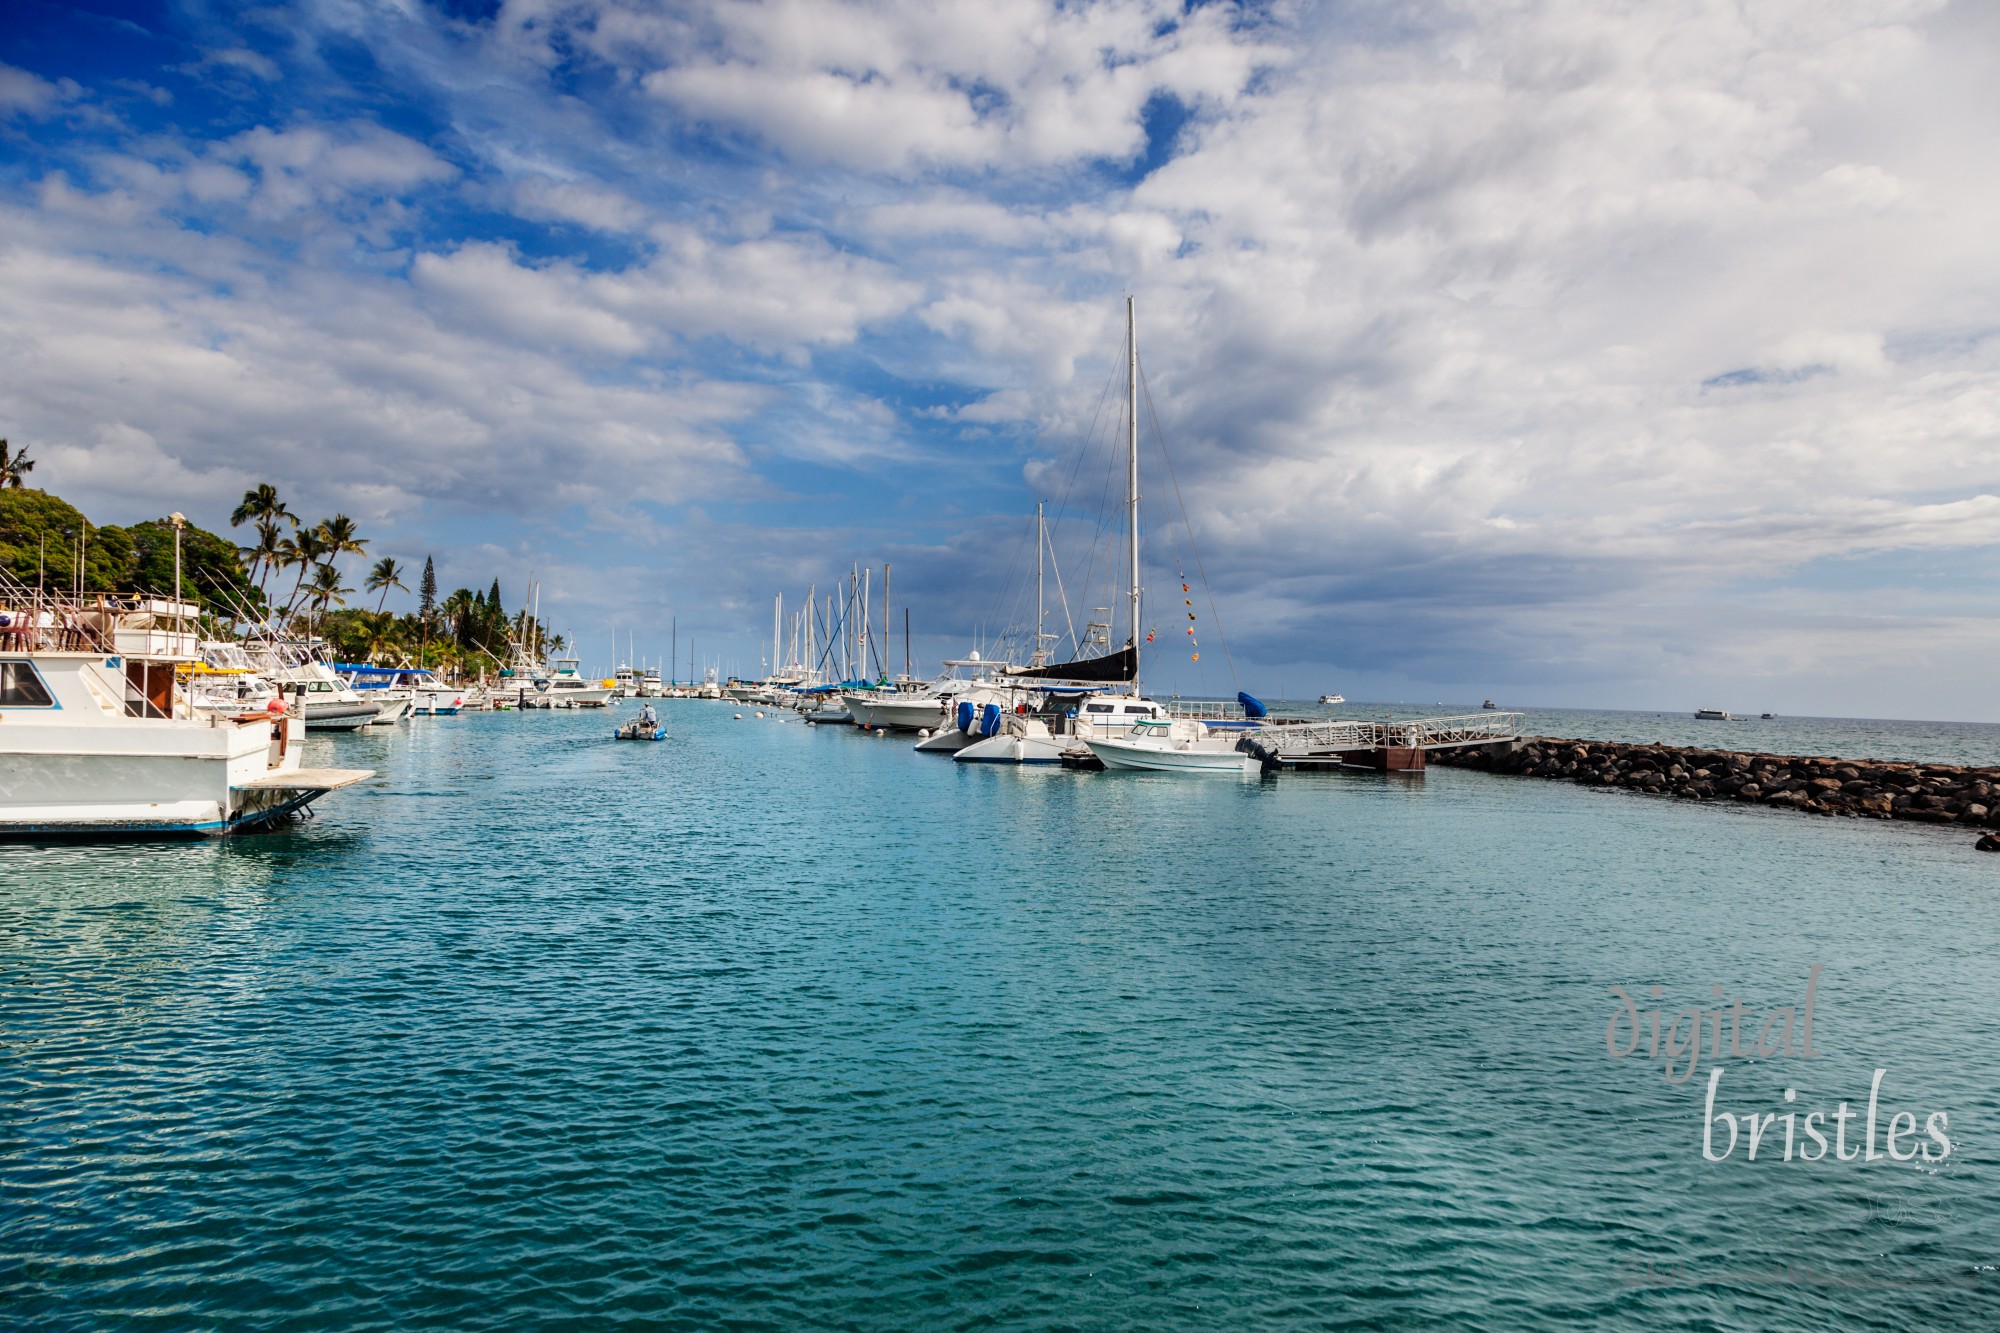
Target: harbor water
(780,1027)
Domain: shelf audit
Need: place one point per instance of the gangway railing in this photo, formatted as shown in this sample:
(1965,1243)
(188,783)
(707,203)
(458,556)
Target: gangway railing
(1341,736)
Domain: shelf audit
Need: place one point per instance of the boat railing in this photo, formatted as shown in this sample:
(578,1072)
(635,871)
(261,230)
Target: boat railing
(1204,710)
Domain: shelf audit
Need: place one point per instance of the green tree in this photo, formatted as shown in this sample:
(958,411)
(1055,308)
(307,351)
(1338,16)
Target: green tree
(262,508)
(387,574)
(15,465)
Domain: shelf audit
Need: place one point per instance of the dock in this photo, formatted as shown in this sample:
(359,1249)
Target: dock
(1384,747)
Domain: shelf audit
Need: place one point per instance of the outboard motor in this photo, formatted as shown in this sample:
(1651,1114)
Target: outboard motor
(966,709)
(989,720)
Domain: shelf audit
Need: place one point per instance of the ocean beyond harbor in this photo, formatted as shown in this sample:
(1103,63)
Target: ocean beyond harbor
(773,1026)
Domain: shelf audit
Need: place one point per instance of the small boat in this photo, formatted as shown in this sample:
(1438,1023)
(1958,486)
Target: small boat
(1713,715)
(1331,699)
(1174,745)
(1767,717)
(638,731)
(1489,704)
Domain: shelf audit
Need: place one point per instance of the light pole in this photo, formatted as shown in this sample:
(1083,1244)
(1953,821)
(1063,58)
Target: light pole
(179,521)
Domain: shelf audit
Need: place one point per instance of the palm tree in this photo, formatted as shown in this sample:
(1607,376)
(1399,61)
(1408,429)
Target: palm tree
(379,632)
(304,550)
(270,541)
(340,536)
(14,467)
(387,574)
(326,589)
(262,507)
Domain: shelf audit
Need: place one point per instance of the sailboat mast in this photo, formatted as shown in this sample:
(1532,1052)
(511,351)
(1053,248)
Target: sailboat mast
(1038,657)
(885,618)
(1132,471)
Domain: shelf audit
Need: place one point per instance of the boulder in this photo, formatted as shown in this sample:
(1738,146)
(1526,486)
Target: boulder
(1988,843)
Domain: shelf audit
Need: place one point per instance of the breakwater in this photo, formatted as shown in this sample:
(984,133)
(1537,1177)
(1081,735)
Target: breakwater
(1864,788)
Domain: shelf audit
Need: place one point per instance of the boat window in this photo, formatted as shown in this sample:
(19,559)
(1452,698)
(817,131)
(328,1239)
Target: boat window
(21,687)
(1099,708)
(1137,708)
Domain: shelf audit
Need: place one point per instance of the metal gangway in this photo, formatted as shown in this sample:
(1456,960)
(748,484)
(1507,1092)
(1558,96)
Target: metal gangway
(1359,743)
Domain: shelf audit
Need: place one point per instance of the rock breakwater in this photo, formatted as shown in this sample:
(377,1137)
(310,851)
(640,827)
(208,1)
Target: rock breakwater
(1864,788)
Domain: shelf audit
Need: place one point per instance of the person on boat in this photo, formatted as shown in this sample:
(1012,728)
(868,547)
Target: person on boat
(648,719)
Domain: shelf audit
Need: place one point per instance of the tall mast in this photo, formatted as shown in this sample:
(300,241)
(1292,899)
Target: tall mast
(777,616)
(1038,657)
(867,575)
(885,617)
(1132,471)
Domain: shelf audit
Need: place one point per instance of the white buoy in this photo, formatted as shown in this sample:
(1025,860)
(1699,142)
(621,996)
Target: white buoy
(760,712)
(923,735)
(739,717)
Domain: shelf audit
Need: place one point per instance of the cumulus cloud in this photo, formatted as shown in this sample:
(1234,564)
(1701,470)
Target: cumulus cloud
(1522,338)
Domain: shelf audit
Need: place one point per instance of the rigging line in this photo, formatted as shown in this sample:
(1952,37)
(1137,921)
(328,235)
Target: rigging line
(1083,449)
(1097,539)
(1075,645)
(993,609)
(1160,439)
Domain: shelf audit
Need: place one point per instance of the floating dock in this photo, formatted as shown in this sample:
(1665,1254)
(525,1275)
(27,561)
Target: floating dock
(1385,747)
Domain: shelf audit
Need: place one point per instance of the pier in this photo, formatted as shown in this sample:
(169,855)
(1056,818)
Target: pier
(1385,747)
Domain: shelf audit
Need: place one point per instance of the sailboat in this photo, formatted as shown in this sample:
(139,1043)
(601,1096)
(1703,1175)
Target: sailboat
(1107,715)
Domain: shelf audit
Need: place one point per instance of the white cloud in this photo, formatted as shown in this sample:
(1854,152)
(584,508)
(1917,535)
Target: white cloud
(26,94)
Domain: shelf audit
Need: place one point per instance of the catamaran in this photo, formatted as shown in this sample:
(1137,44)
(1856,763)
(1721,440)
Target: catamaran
(1092,706)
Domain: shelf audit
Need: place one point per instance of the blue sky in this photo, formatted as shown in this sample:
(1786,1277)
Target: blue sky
(1561,353)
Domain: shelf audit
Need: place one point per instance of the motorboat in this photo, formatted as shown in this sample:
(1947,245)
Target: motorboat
(100,737)
(384,686)
(1713,715)
(222,681)
(1175,745)
(1489,704)
(649,684)
(1329,700)
(303,670)
(563,686)
(639,731)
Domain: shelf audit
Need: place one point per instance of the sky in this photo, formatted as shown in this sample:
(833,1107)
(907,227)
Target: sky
(1593,354)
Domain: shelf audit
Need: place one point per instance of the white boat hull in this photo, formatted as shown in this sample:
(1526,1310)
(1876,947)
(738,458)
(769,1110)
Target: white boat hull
(895,712)
(1004,749)
(163,779)
(340,714)
(1154,757)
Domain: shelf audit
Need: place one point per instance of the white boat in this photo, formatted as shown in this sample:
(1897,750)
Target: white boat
(1713,715)
(649,684)
(100,738)
(1174,745)
(384,687)
(223,681)
(1331,699)
(563,686)
(1127,729)
(303,671)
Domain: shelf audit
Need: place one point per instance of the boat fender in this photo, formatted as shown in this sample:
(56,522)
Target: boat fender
(275,706)
(923,735)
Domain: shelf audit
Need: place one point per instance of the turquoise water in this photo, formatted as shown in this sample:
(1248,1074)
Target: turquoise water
(1973,743)
(771,1027)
